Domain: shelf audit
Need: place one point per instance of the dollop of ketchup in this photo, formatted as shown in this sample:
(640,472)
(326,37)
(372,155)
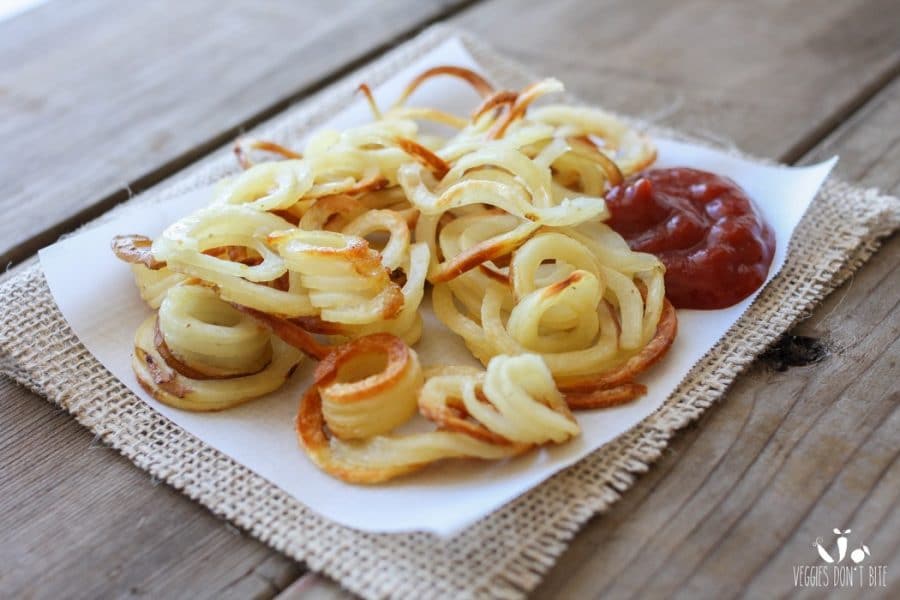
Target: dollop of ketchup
(703,227)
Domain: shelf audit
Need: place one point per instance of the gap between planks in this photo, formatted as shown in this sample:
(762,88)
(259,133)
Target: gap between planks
(29,246)
(313,586)
(174,165)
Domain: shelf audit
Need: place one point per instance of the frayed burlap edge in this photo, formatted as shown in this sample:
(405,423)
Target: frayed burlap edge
(504,555)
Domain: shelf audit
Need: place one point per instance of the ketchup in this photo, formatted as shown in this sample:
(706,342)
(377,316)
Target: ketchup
(716,248)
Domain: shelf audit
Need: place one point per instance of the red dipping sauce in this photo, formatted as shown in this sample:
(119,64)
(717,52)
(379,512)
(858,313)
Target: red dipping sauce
(703,227)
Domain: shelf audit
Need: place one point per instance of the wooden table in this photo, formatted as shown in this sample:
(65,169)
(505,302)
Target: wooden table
(99,99)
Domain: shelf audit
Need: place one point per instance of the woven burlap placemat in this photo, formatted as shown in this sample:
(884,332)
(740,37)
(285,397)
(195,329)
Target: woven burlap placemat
(503,555)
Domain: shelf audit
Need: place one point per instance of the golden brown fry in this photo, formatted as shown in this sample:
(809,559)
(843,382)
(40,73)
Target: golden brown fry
(243,145)
(488,250)
(366,91)
(291,331)
(426,157)
(365,389)
(136,249)
(625,374)
(479,83)
(495,100)
(524,99)
(605,398)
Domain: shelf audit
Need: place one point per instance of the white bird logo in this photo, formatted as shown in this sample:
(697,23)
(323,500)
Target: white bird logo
(857,556)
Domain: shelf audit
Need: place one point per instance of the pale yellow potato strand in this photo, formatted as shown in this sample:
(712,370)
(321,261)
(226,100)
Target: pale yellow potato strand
(396,254)
(547,246)
(325,212)
(407,325)
(654,282)
(294,302)
(531,199)
(580,314)
(333,162)
(426,232)
(467,326)
(396,251)
(210,335)
(240,360)
(269,186)
(611,249)
(340,159)
(578,332)
(629,149)
(182,247)
(343,277)
(184,242)
(469,289)
(601,355)
(154,284)
(472,138)
(380,413)
(465,232)
(474,227)
(524,408)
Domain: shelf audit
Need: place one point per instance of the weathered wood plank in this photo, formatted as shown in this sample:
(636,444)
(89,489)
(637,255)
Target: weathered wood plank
(786,457)
(313,586)
(99,98)
(744,107)
(740,496)
(772,76)
(79,520)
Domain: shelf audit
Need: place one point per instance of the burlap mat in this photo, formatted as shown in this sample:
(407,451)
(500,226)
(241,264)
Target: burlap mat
(505,554)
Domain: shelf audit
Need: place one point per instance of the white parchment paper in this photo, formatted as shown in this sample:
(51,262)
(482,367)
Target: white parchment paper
(98,298)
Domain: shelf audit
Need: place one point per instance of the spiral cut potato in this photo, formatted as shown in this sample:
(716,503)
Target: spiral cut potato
(354,162)
(153,285)
(344,278)
(406,324)
(365,389)
(406,263)
(326,250)
(586,304)
(201,354)
(550,171)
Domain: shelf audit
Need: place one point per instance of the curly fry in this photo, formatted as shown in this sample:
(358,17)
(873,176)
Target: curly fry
(497,99)
(242,145)
(479,83)
(136,249)
(289,331)
(666,331)
(606,398)
(366,91)
(520,107)
(423,155)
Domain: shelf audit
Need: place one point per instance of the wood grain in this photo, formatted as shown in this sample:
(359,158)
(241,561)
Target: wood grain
(786,457)
(100,98)
(772,76)
(79,520)
(737,496)
(741,495)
